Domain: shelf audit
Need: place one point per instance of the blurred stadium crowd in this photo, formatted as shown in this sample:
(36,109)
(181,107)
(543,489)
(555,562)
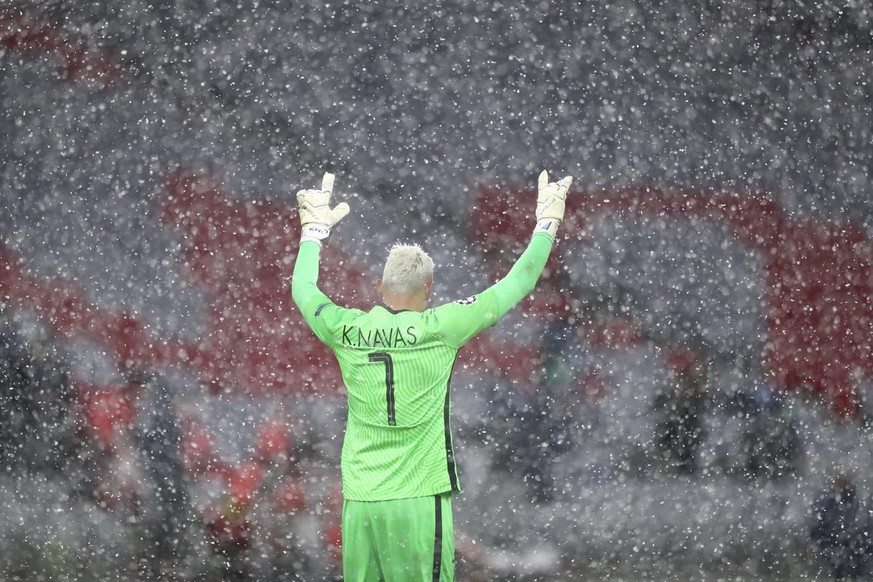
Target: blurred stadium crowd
(688,394)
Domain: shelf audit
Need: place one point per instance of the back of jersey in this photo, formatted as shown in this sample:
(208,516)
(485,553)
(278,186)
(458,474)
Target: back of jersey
(397,369)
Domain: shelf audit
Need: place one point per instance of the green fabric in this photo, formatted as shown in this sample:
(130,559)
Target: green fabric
(396,541)
(397,367)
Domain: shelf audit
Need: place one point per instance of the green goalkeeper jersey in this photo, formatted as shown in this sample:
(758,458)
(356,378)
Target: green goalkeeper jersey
(397,368)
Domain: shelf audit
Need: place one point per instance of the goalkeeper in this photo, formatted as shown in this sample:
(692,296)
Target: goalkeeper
(398,462)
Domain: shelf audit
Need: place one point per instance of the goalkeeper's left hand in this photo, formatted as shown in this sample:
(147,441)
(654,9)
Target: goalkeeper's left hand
(316,215)
(551,197)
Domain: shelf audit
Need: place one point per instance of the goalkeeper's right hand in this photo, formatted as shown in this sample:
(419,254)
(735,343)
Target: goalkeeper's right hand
(550,202)
(316,215)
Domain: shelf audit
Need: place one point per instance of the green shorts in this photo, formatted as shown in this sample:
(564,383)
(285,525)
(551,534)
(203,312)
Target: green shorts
(403,540)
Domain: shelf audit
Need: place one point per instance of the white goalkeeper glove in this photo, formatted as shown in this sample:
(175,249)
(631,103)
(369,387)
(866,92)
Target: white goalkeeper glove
(550,202)
(316,215)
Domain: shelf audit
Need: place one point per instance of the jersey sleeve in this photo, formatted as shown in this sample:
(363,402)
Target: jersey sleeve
(456,323)
(319,311)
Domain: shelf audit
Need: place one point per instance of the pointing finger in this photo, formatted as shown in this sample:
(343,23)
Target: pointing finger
(543,180)
(327,182)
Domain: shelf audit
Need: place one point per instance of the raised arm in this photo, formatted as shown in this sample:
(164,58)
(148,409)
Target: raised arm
(549,213)
(462,320)
(316,220)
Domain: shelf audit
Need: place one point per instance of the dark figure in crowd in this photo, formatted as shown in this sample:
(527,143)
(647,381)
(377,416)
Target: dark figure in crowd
(842,530)
(532,440)
(36,428)
(543,433)
(166,510)
(679,430)
(535,419)
(772,443)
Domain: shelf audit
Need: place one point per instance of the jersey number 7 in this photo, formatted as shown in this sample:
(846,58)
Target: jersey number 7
(385,358)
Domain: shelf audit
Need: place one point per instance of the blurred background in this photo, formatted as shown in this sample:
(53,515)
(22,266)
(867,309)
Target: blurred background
(686,396)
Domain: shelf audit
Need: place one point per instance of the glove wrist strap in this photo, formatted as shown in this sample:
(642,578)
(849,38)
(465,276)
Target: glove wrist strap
(315,232)
(549,225)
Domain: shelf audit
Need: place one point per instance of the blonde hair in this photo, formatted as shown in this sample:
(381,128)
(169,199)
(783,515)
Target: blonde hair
(407,269)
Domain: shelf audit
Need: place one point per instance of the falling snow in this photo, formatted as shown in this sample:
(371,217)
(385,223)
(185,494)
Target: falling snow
(687,395)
